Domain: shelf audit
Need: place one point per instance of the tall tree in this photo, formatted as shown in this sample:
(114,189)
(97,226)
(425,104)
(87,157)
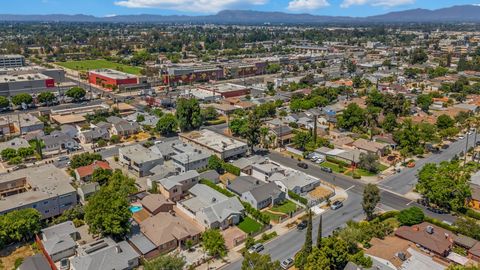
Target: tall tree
(255,261)
(302,255)
(252,133)
(371,197)
(167,124)
(213,243)
(188,114)
(319,236)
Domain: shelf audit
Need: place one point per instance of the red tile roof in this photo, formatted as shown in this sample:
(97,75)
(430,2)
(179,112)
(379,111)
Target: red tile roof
(89,169)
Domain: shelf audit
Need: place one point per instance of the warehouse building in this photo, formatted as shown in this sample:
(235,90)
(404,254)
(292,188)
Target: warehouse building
(11,85)
(110,78)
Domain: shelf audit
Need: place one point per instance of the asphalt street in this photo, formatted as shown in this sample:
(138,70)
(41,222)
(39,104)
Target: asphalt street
(406,180)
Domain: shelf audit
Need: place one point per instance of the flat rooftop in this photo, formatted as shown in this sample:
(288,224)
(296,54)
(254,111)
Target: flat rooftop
(139,154)
(23,77)
(212,140)
(224,87)
(43,182)
(11,56)
(114,74)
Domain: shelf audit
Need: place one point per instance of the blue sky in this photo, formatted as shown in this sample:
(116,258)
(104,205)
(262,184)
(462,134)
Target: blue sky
(193,7)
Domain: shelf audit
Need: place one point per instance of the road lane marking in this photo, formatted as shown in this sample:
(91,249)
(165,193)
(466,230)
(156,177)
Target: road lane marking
(349,188)
(410,202)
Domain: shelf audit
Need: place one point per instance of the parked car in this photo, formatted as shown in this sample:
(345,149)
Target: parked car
(320,160)
(336,205)
(63,158)
(461,137)
(302,225)
(19,166)
(287,263)
(302,165)
(445,146)
(256,248)
(326,169)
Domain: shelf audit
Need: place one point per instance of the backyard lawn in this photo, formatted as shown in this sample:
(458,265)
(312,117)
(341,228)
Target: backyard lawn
(85,65)
(286,207)
(248,225)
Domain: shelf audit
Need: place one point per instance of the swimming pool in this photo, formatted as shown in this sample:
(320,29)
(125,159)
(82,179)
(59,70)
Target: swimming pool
(135,208)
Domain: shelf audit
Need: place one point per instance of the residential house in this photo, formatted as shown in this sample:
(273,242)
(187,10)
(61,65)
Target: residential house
(166,149)
(167,231)
(371,147)
(14,143)
(211,208)
(84,173)
(59,240)
(295,181)
(58,140)
(282,135)
(222,146)
(122,127)
(26,123)
(263,171)
(45,188)
(105,254)
(139,159)
(149,120)
(175,187)
(211,175)
(86,190)
(35,262)
(194,160)
(93,135)
(258,193)
(157,203)
(428,236)
(245,164)
(70,130)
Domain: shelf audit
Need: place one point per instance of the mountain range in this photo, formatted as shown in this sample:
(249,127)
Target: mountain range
(463,13)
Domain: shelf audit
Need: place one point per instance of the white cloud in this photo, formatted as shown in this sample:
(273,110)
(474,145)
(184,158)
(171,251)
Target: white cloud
(307,4)
(376,3)
(188,5)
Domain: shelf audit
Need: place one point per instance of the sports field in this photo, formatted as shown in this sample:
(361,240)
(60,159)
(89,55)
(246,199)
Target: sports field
(85,65)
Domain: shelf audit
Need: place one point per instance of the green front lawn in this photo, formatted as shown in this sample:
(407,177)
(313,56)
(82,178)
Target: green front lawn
(248,225)
(333,166)
(382,167)
(361,172)
(86,65)
(273,217)
(286,207)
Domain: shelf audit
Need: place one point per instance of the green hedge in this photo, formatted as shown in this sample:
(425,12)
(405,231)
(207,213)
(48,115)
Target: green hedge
(297,197)
(216,122)
(231,169)
(473,214)
(387,215)
(217,188)
(338,162)
(441,224)
(256,214)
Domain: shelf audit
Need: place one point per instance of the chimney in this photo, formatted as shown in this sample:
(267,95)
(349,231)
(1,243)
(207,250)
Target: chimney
(118,249)
(429,229)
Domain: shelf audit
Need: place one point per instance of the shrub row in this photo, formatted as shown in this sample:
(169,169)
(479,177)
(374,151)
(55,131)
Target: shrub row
(217,188)
(231,168)
(256,214)
(339,162)
(473,214)
(297,197)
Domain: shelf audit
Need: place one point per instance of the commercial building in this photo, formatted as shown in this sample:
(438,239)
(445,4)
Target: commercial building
(227,90)
(110,78)
(45,188)
(218,144)
(187,74)
(11,60)
(11,85)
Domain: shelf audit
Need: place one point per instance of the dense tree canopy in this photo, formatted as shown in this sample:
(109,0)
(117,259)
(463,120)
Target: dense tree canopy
(76,93)
(445,185)
(167,124)
(188,114)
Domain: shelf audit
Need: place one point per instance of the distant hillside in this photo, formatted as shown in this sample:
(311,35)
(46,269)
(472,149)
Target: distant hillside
(466,13)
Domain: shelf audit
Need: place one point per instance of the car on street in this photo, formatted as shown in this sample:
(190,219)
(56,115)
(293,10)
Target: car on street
(256,248)
(445,146)
(18,167)
(63,158)
(326,169)
(336,205)
(302,225)
(461,137)
(287,263)
(302,165)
